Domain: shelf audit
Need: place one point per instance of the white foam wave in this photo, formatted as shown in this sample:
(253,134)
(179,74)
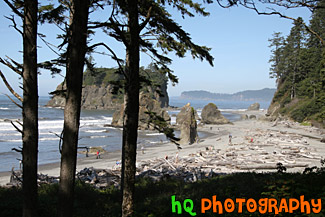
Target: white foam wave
(173,120)
(93,137)
(48,139)
(4,108)
(154,134)
(232,110)
(154,142)
(95,131)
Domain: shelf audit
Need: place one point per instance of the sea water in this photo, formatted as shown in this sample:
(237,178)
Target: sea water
(93,129)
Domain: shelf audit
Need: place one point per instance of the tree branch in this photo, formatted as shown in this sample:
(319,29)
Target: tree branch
(19,130)
(9,87)
(14,9)
(13,101)
(118,60)
(119,32)
(251,5)
(12,19)
(8,64)
(145,22)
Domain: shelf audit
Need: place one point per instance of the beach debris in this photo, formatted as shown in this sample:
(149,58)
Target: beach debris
(258,150)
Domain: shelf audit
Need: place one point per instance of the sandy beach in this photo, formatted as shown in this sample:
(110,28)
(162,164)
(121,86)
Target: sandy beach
(254,143)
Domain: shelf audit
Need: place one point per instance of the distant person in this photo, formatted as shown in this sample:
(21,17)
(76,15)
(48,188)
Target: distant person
(142,149)
(98,154)
(230,137)
(176,157)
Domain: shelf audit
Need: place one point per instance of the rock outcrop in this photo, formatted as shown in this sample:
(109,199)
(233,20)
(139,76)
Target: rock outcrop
(97,92)
(186,122)
(254,107)
(147,104)
(93,97)
(243,117)
(212,115)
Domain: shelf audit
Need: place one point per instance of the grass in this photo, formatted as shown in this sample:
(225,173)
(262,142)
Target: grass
(154,198)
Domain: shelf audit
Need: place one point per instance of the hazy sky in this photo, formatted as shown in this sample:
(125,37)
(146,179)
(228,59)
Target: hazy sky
(238,38)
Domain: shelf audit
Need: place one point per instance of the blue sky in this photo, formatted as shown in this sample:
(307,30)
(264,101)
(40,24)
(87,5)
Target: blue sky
(238,38)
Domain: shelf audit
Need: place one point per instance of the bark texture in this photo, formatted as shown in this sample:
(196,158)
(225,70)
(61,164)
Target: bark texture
(77,43)
(30,109)
(131,112)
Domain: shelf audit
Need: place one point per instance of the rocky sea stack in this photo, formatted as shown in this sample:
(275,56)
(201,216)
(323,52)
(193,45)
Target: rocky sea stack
(100,89)
(212,115)
(186,122)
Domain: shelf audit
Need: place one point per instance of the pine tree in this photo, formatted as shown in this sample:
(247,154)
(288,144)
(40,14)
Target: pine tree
(152,18)
(75,59)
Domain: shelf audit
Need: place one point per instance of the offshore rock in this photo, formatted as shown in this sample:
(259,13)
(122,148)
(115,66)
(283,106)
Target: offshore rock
(147,104)
(212,115)
(254,107)
(187,124)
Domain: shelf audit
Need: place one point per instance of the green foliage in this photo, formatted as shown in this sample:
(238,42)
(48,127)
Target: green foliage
(151,79)
(154,198)
(297,62)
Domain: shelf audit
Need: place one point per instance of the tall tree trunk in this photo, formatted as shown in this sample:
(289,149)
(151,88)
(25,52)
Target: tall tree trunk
(131,111)
(30,109)
(77,43)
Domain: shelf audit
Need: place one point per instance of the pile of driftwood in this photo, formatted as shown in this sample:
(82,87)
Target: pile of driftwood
(261,150)
(16,179)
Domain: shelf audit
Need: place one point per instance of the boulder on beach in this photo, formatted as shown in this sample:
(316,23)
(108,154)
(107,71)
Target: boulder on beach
(146,104)
(212,115)
(243,117)
(252,117)
(254,107)
(187,123)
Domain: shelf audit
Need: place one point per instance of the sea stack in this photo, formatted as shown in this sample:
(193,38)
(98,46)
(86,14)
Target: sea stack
(187,124)
(212,115)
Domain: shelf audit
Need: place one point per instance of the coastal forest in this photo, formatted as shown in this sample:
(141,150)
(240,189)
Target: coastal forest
(298,64)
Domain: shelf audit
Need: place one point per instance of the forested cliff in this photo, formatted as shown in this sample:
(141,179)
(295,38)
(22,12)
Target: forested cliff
(298,64)
(100,88)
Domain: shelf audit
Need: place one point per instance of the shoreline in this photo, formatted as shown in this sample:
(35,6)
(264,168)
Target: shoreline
(294,136)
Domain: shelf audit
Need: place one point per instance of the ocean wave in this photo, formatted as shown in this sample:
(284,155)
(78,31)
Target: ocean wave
(48,139)
(94,137)
(155,142)
(232,110)
(95,131)
(4,108)
(154,134)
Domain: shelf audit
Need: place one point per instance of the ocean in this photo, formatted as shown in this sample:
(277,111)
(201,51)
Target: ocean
(93,131)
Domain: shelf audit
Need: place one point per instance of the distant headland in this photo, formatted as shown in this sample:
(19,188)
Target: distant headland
(265,94)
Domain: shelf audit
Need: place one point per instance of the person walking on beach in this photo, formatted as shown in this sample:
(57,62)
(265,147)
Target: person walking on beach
(98,154)
(230,137)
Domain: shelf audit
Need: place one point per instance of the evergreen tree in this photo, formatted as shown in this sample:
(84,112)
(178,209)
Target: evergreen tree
(302,69)
(277,44)
(146,20)
(75,59)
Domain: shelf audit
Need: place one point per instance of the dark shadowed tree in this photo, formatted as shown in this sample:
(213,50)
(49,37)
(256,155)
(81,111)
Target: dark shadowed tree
(75,58)
(138,24)
(30,109)
(27,11)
